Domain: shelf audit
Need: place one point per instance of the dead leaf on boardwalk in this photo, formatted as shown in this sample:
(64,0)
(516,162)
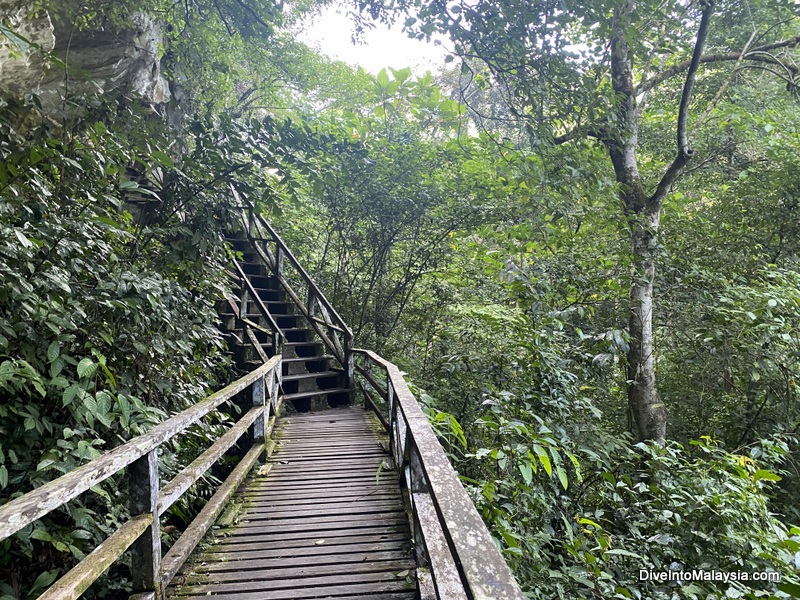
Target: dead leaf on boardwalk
(318,542)
(401,574)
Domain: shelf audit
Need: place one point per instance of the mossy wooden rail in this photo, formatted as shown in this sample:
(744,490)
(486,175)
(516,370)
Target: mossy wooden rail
(152,572)
(451,541)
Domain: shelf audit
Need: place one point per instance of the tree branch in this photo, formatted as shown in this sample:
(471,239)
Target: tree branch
(756,55)
(684,151)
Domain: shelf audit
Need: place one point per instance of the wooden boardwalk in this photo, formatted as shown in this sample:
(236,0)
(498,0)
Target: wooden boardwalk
(320,524)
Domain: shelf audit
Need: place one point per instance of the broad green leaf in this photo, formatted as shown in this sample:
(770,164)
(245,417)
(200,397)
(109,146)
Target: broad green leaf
(543,458)
(527,473)
(86,368)
(764,474)
(53,351)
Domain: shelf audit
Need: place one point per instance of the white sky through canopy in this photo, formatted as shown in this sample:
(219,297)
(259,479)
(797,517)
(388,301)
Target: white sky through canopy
(331,32)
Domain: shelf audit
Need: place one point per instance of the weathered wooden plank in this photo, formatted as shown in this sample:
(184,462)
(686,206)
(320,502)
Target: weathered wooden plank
(267,585)
(305,548)
(78,580)
(297,567)
(336,521)
(316,504)
(376,591)
(26,509)
(180,551)
(316,496)
(235,545)
(146,554)
(363,508)
(446,578)
(188,476)
(277,538)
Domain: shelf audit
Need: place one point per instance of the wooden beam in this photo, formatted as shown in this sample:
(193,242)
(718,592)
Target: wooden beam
(26,509)
(146,554)
(86,572)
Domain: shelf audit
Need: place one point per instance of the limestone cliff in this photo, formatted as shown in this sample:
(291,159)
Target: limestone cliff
(124,59)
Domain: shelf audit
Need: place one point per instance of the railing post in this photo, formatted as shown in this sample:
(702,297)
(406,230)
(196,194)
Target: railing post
(278,259)
(146,551)
(260,424)
(349,367)
(244,299)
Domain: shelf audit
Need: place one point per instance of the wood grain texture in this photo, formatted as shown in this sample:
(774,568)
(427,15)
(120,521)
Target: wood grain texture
(327,521)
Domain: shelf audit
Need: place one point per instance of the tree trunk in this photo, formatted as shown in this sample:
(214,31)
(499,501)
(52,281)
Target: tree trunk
(643,214)
(644,401)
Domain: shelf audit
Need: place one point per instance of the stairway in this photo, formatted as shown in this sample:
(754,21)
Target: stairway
(252,315)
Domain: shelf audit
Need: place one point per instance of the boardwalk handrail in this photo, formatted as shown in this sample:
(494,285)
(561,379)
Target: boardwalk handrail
(151,573)
(451,539)
(314,305)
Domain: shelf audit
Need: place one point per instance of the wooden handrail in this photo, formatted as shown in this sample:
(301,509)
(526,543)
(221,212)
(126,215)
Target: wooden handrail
(464,559)
(262,225)
(139,456)
(304,274)
(257,299)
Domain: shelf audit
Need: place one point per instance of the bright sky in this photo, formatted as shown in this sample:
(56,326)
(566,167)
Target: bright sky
(332,30)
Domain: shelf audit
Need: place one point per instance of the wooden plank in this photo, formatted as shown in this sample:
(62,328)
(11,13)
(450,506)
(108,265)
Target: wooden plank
(78,580)
(277,538)
(146,550)
(353,564)
(347,497)
(267,585)
(446,577)
(267,544)
(304,548)
(377,591)
(26,509)
(361,508)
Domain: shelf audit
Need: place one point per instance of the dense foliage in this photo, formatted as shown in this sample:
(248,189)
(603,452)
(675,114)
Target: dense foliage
(489,245)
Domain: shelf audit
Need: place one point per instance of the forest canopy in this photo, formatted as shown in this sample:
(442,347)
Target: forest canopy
(579,240)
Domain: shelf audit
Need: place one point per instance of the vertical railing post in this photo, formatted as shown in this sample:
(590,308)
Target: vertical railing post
(278,259)
(146,551)
(349,366)
(260,424)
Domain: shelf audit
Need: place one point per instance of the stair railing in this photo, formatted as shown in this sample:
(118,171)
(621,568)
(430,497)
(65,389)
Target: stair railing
(457,559)
(148,499)
(313,305)
(247,295)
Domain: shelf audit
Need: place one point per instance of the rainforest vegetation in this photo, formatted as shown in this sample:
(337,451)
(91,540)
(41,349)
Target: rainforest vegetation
(580,239)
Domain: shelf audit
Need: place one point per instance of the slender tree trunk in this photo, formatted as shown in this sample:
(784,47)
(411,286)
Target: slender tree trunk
(643,214)
(643,211)
(644,401)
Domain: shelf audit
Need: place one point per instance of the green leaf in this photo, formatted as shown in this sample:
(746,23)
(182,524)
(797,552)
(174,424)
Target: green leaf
(3,476)
(26,243)
(764,474)
(42,535)
(86,368)
(53,351)
(621,552)
(162,158)
(790,588)
(543,458)
(44,580)
(527,473)
(562,476)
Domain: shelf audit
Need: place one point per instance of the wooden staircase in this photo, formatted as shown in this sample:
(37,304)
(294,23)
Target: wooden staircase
(263,316)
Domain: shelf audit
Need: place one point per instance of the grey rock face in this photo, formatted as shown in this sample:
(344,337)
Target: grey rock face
(102,60)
